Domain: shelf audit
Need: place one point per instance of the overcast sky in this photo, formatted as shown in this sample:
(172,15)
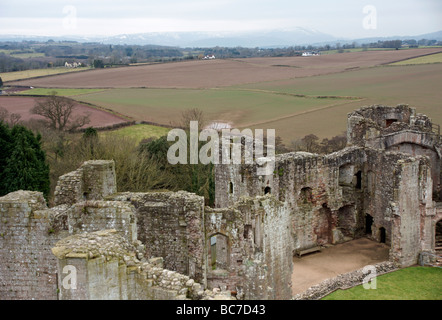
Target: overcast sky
(346,18)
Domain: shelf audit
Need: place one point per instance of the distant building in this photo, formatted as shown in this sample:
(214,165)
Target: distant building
(310,53)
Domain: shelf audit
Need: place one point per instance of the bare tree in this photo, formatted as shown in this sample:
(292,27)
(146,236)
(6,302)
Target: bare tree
(58,112)
(4,114)
(10,118)
(193,114)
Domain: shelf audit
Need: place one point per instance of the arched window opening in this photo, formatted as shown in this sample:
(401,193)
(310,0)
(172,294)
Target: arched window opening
(358,180)
(389,122)
(306,195)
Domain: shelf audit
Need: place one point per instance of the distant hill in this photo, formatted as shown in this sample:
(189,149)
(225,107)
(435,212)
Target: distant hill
(264,39)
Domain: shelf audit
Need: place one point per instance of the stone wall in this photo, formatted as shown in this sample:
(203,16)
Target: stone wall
(413,210)
(317,189)
(257,261)
(398,129)
(344,281)
(94,215)
(354,192)
(28,228)
(94,180)
(104,265)
(171,225)
(27,266)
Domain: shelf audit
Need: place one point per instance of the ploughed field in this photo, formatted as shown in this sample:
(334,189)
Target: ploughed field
(294,95)
(220,73)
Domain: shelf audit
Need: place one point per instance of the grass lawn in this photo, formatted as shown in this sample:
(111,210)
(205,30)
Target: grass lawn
(413,283)
(137,132)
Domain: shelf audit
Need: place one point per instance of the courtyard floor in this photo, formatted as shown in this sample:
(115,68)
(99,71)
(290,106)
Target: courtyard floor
(312,269)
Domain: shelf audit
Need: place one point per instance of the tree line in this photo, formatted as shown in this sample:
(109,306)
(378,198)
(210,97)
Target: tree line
(57,53)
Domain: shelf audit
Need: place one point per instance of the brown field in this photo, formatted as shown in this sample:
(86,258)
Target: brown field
(221,73)
(23,105)
(294,95)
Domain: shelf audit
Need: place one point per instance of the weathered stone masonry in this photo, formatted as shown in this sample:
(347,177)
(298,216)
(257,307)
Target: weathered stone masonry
(168,245)
(382,185)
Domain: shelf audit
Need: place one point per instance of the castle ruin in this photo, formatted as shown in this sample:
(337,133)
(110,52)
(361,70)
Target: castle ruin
(97,243)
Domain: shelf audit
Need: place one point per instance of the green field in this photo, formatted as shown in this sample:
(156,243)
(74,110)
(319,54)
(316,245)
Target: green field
(415,85)
(59,91)
(413,283)
(13,53)
(336,51)
(20,75)
(138,132)
(432,58)
(243,107)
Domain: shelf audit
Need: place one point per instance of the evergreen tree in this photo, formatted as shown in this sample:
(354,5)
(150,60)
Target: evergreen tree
(5,150)
(25,167)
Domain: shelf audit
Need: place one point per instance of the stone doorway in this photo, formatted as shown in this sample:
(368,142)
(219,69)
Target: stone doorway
(368,224)
(382,235)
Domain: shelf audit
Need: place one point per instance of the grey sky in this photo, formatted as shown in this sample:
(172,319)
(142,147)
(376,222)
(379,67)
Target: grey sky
(343,18)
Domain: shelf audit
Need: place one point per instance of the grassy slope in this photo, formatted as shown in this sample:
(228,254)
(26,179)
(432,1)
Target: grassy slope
(413,283)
